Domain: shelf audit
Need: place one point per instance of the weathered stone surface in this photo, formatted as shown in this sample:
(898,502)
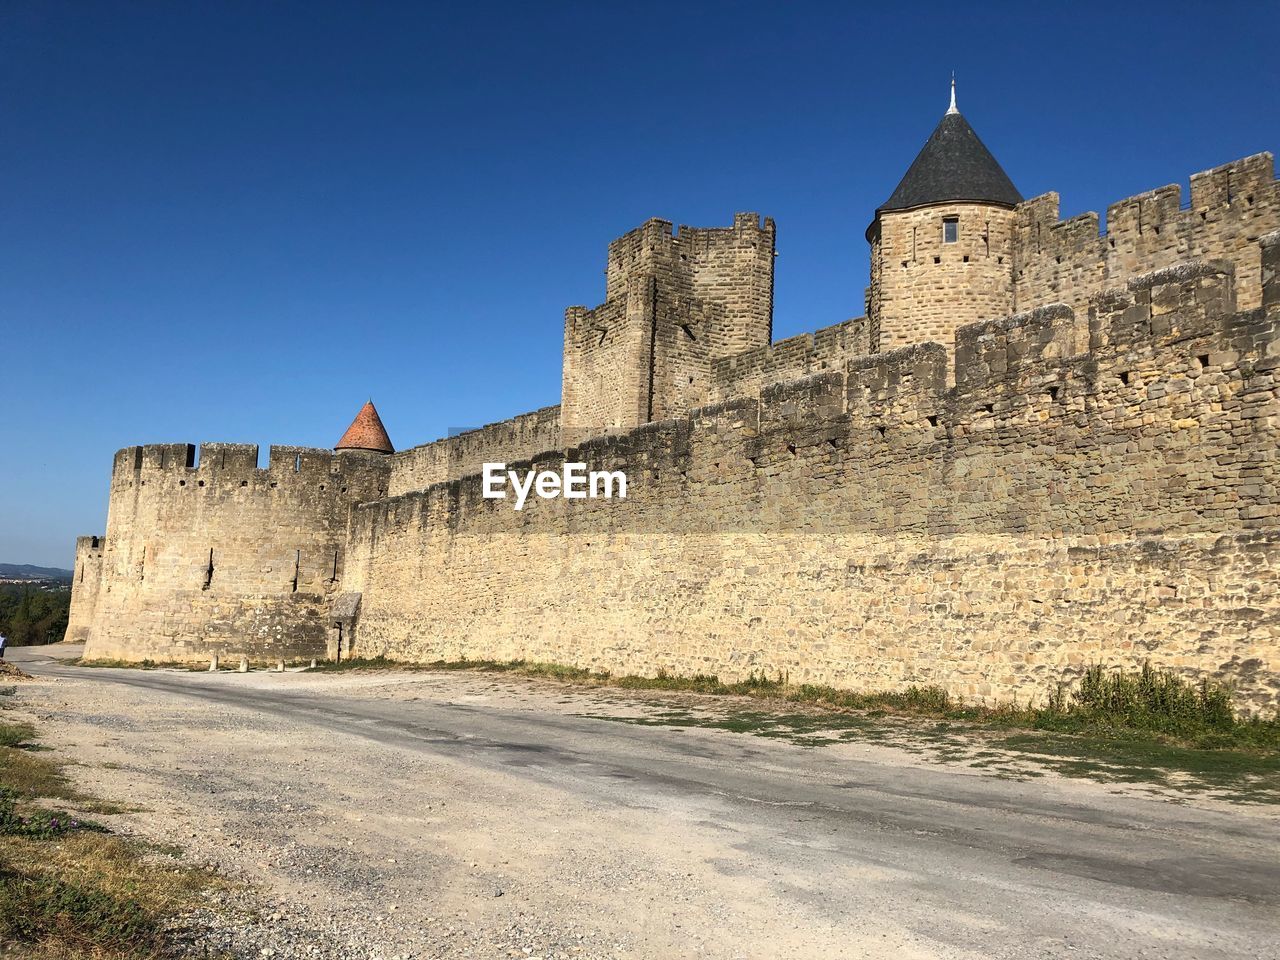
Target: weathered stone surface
(675,303)
(873,528)
(1069,260)
(922,288)
(220,556)
(1091,479)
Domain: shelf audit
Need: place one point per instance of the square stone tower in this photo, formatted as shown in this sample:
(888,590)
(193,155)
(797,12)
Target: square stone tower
(674,303)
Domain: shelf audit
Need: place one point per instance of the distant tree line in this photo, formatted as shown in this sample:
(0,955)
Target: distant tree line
(31,615)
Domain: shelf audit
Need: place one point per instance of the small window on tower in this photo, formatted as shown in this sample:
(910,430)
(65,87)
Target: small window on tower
(950,229)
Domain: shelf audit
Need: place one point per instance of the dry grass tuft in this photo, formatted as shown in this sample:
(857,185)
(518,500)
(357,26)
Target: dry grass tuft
(69,890)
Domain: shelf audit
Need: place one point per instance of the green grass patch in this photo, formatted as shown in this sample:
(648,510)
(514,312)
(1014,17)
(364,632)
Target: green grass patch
(17,735)
(1248,774)
(92,896)
(68,888)
(922,700)
(39,823)
(32,774)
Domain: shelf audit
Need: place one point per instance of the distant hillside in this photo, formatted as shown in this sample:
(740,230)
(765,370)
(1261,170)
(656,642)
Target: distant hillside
(25,571)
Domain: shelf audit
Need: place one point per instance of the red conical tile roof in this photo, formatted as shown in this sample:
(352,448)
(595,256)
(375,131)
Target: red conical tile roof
(366,432)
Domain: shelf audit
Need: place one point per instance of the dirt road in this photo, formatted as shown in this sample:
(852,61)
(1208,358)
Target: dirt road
(476,815)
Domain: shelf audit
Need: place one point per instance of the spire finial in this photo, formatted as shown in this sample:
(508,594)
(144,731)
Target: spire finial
(953,108)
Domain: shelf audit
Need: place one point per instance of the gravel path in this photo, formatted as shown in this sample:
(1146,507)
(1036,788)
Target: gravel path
(442,815)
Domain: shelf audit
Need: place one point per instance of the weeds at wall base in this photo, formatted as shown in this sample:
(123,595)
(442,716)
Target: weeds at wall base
(1105,703)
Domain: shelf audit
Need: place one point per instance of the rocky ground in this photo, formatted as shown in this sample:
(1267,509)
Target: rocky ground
(441,815)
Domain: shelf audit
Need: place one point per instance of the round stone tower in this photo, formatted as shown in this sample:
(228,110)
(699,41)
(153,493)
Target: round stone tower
(942,244)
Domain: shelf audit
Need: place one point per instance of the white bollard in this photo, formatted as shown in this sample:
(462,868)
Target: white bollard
(313,663)
(279,666)
(244,664)
(213,663)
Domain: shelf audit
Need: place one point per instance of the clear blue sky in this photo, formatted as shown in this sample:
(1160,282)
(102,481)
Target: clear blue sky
(225,221)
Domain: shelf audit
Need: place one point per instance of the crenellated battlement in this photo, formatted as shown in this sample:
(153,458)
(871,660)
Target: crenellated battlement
(1241,187)
(1045,445)
(657,240)
(1151,212)
(1007,515)
(1030,371)
(1001,348)
(1230,208)
(208,552)
(215,466)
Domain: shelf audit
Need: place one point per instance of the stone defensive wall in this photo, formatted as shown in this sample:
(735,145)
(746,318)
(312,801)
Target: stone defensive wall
(515,439)
(747,373)
(212,554)
(1106,496)
(605,378)
(1230,208)
(85,580)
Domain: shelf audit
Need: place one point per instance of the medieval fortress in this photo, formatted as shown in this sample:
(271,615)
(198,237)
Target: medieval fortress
(1042,446)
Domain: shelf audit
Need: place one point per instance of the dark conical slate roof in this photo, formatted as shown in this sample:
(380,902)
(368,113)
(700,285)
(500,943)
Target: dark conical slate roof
(954,165)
